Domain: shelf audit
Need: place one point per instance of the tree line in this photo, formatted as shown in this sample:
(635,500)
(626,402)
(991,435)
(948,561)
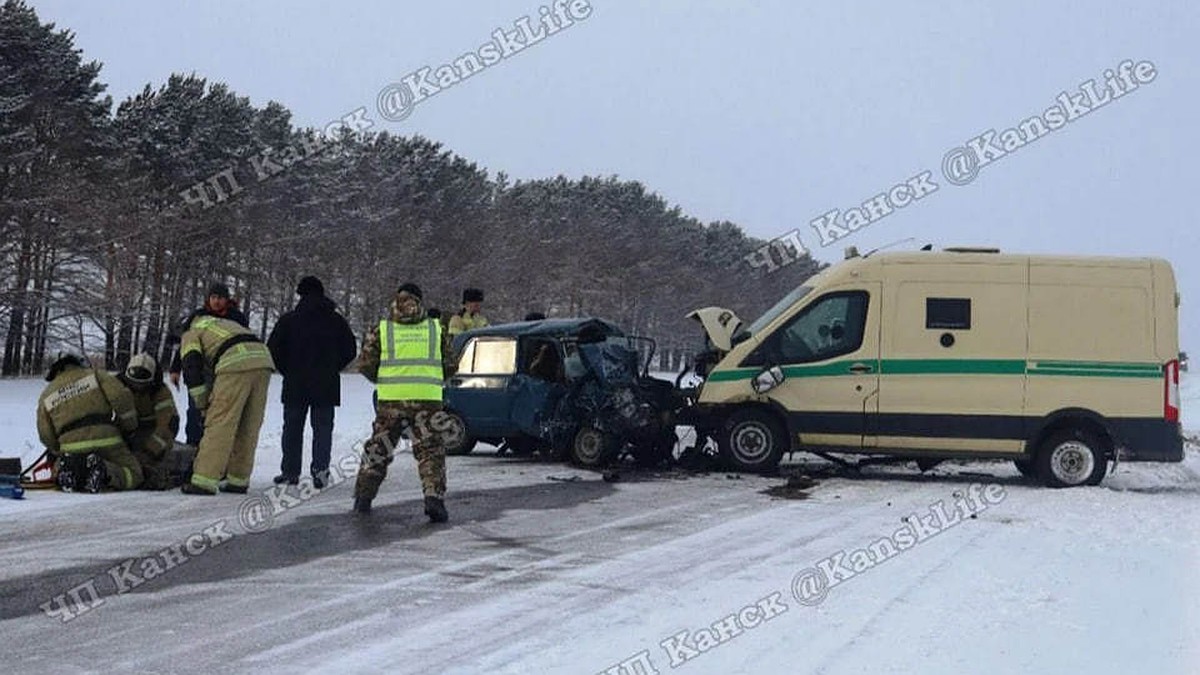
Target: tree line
(114,220)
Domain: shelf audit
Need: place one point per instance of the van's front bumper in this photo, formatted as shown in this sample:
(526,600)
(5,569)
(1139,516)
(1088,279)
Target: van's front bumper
(1148,440)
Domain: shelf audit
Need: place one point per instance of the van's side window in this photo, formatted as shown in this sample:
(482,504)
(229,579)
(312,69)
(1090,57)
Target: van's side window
(954,313)
(831,326)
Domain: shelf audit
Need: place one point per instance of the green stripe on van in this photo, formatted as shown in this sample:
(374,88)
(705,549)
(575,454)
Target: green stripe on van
(953,367)
(819,370)
(1098,365)
(1096,372)
(733,375)
(959,367)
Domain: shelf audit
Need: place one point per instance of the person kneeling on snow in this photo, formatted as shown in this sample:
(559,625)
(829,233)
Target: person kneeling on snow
(82,417)
(158,420)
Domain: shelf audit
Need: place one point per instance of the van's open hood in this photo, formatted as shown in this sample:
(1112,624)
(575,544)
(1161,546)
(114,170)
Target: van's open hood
(721,324)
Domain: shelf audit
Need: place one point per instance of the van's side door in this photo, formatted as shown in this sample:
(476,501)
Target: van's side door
(953,361)
(829,353)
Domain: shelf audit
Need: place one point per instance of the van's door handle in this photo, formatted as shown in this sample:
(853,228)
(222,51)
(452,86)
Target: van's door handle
(456,382)
(860,368)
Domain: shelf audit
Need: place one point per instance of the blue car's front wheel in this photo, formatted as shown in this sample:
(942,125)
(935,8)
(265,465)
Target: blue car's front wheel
(593,449)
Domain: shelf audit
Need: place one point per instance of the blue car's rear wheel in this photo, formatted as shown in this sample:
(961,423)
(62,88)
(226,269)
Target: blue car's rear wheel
(456,436)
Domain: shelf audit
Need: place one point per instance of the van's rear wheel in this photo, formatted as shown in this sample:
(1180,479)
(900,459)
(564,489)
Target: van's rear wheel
(1072,457)
(753,440)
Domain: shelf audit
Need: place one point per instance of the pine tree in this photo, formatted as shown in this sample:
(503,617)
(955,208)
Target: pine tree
(53,137)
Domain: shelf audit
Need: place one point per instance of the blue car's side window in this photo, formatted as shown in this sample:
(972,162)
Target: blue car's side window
(483,356)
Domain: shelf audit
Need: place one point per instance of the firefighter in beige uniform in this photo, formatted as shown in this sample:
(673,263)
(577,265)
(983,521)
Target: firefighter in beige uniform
(158,420)
(233,409)
(82,417)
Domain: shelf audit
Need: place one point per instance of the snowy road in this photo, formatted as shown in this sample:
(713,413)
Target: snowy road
(537,572)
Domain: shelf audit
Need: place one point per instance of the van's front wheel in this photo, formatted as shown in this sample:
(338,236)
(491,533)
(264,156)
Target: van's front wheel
(1072,457)
(753,440)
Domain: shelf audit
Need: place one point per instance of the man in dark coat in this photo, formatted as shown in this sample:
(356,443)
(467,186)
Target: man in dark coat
(310,345)
(218,303)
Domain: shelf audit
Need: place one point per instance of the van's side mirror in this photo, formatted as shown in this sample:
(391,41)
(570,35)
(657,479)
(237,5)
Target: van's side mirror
(767,380)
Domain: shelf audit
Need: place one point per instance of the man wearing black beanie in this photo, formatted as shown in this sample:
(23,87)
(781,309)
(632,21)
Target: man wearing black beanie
(311,345)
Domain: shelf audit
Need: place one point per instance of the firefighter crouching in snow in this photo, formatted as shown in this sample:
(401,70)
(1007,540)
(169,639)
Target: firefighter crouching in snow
(158,420)
(407,356)
(233,408)
(81,417)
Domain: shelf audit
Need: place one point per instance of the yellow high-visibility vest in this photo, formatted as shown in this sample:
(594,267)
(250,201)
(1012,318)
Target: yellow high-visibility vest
(410,361)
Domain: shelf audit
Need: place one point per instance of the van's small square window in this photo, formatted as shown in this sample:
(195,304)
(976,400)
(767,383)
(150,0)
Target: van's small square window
(954,313)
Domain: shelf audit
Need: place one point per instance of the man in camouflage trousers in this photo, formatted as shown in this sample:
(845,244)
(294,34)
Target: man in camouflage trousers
(158,420)
(82,416)
(407,357)
(233,408)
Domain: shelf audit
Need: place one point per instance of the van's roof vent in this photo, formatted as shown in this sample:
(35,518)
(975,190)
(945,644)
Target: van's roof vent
(971,249)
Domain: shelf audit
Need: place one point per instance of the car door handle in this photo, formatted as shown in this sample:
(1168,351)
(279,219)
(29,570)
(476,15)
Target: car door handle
(456,382)
(860,368)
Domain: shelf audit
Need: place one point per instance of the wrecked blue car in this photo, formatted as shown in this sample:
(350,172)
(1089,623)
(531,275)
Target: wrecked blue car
(576,389)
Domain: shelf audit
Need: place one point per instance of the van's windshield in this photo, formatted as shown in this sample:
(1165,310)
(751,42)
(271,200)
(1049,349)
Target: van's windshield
(773,313)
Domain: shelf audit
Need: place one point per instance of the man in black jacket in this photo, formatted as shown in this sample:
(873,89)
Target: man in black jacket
(310,345)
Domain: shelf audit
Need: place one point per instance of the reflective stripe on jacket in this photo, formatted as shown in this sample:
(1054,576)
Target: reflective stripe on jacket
(222,346)
(85,410)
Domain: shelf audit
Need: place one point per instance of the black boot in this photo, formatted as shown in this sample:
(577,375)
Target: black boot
(71,472)
(235,489)
(319,478)
(362,505)
(97,474)
(435,508)
(284,478)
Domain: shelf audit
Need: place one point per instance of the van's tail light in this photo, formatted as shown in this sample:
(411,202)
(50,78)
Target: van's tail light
(1171,391)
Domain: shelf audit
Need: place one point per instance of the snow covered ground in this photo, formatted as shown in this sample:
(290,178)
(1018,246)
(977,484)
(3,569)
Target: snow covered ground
(548,569)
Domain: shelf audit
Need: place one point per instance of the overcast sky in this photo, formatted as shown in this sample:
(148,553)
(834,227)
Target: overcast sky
(767,114)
